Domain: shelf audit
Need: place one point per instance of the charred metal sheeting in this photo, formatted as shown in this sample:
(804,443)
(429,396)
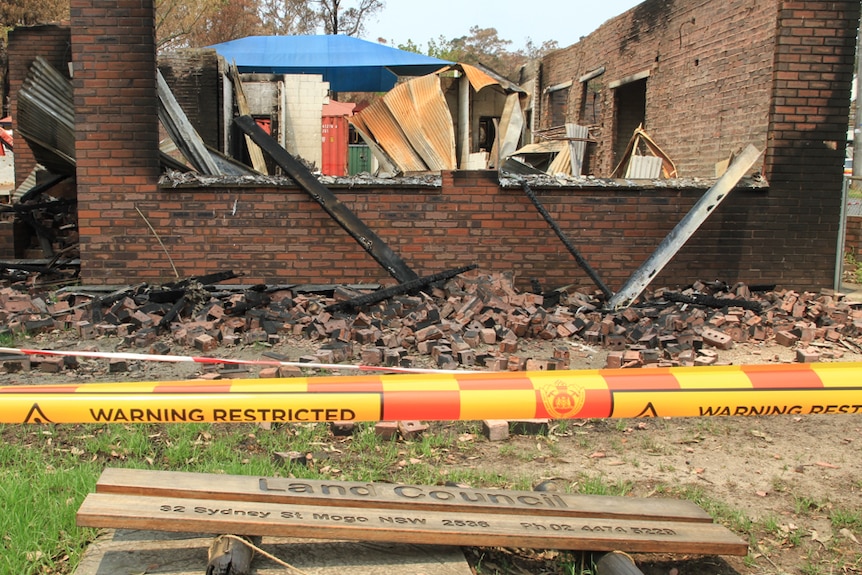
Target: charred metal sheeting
(400,289)
(684,229)
(572,249)
(46,117)
(182,132)
(204,158)
(412,126)
(357,229)
(30,189)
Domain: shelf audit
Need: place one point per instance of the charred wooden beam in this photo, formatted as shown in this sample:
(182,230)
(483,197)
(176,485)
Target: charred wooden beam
(569,246)
(400,289)
(172,314)
(349,221)
(710,301)
(205,280)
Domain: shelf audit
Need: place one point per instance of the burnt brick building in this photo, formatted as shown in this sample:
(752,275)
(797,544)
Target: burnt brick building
(705,79)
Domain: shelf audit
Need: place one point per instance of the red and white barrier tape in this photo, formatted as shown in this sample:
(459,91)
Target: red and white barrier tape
(214,360)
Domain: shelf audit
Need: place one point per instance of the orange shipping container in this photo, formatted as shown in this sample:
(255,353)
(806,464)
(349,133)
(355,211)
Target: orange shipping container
(334,133)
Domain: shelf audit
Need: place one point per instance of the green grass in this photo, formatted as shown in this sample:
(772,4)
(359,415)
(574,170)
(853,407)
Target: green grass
(46,471)
(7,338)
(596,485)
(846,519)
(40,496)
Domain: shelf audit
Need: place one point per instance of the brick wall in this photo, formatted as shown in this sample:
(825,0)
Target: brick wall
(116,125)
(772,73)
(52,42)
(709,67)
(721,75)
(813,72)
(853,237)
(280,235)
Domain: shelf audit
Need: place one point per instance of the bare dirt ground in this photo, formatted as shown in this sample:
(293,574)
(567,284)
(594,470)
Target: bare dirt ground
(791,485)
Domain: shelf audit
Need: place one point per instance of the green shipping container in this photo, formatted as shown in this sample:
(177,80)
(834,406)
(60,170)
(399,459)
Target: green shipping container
(358,159)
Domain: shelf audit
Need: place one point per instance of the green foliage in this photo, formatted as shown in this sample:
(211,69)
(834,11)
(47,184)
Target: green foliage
(853,267)
(482,46)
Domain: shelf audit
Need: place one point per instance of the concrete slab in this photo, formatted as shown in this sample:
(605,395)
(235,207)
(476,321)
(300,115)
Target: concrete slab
(130,552)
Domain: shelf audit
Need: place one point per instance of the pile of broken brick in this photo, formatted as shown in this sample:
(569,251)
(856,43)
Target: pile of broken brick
(475,322)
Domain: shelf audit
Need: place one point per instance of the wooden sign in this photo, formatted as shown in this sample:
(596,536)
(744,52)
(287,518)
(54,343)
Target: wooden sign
(392,496)
(405,526)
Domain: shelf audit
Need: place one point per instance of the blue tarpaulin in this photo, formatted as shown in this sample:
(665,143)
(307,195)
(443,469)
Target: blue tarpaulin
(349,64)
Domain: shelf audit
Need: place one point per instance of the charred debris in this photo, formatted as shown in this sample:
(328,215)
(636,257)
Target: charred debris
(463,319)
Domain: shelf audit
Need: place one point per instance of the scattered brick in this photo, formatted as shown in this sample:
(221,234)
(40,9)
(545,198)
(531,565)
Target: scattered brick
(495,429)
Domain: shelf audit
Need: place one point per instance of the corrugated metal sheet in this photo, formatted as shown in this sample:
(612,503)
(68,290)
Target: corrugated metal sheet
(577,146)
(478,78)
(420,107)
(644,168)
(46,117)
(511,127)
(387,132)
(413,124)
(386,164)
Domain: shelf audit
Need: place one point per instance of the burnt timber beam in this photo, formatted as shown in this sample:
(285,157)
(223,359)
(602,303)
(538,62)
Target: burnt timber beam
(569,246)
(400,289)
(350,222)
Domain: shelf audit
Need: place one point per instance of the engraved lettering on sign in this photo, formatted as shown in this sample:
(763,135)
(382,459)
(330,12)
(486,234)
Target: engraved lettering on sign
(300,487)
(464,523)
(403,520)
(533,526)
(339,518)
(209,511)
(412,492)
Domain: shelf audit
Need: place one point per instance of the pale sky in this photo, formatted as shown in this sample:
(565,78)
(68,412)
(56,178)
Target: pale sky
(515,20)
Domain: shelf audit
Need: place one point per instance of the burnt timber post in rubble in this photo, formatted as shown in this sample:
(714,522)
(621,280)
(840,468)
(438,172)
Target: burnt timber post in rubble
(349,221)
(572,249)
(402,288)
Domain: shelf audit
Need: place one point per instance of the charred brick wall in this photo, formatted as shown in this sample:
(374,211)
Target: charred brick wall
(281,235)
(53,43)
(810,97)
(720,75)
(116,124)
(708,72)
(195,81)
